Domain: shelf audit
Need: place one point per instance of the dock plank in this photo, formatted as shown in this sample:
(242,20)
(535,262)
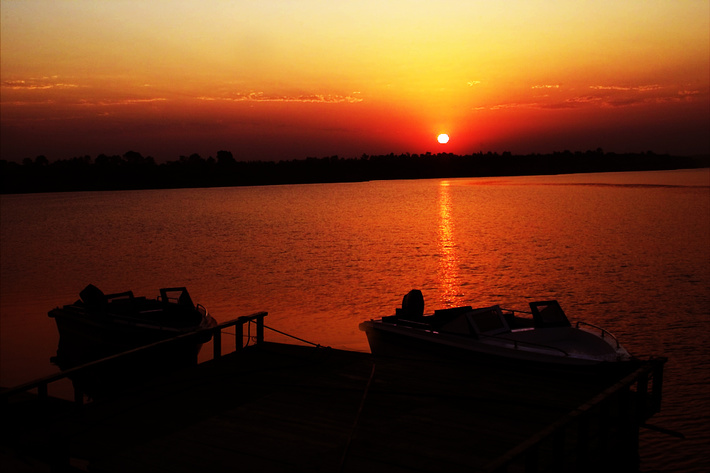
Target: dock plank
(278,407)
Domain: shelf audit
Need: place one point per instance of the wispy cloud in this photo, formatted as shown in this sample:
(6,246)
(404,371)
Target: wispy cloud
(303,98)
(601,96)
(27,103)
(104,103)
(637,88)
(41,83)
(20,92)
(573,102)
(623,96)
(87,103)
(510,105)
(471,83)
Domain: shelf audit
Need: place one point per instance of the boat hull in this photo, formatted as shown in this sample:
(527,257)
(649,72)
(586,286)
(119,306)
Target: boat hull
(104,336)
(88,333)
(386,340)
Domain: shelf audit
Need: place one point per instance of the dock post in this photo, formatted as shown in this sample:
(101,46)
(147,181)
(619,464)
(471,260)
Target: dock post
(642,397)
(629,434)
(260,329)
(78,397)
(42,393)
(532,459)
(582,440)
(657,388)
(604,426)
(558,450)
(217,343)
(238,337)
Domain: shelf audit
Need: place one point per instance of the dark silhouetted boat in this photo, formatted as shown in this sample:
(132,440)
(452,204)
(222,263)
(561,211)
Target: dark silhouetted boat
(100,325)
(545,337)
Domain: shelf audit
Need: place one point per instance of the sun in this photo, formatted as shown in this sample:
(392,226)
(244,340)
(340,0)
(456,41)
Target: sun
(443,138)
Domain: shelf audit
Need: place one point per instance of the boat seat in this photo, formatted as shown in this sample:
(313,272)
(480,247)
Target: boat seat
(95,299)
(167,296)
(442,317)
(548,314)
(456,326)
(518,322)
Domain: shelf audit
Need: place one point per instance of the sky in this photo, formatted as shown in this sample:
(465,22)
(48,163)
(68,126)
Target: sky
(273,80)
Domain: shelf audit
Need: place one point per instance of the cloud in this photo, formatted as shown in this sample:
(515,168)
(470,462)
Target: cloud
(84,102)
(624,96)
(103,103)
(471,83)
(505,106)
(575,102)
(303,98)
(41,83)
(637,88)
(611,96)
(26,103)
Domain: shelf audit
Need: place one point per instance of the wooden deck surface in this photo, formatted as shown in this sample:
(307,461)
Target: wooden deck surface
(287,408)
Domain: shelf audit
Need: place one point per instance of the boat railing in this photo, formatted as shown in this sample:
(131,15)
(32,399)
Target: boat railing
(42,385)
(414,323)
(517,344)
(605,334)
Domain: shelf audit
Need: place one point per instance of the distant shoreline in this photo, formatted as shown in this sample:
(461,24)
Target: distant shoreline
(132,171)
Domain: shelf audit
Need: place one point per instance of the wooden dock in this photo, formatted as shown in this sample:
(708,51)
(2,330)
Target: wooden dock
(285,408)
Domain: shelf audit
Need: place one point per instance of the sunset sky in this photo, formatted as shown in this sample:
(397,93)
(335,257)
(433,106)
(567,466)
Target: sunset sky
(273,80)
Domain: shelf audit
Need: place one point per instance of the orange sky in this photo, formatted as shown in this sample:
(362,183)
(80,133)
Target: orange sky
(289,79)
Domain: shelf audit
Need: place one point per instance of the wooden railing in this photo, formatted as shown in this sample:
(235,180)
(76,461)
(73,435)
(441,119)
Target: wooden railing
(618,408)
(42,384)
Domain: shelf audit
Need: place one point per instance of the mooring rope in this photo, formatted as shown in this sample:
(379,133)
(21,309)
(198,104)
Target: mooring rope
(317,345)
(249,337)
(357,419)
(248,334)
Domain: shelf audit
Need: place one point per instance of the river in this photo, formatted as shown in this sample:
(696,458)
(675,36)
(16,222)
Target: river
(627,251)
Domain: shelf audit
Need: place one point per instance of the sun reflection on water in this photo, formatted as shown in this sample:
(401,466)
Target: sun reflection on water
(448,260)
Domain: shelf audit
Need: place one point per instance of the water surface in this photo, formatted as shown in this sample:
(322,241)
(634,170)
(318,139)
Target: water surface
(627,251)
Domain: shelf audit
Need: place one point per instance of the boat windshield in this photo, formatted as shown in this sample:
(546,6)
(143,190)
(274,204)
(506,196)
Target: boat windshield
(488,321)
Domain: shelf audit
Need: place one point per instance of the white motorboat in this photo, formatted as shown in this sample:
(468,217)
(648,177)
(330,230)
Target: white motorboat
(545,336)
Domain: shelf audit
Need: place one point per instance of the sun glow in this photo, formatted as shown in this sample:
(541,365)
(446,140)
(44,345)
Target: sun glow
(228,68)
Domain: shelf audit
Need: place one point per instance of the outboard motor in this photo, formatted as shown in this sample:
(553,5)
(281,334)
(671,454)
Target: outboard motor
(412,305)
(93,298)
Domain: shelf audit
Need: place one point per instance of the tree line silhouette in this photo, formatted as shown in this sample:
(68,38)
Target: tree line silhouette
(135,171)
